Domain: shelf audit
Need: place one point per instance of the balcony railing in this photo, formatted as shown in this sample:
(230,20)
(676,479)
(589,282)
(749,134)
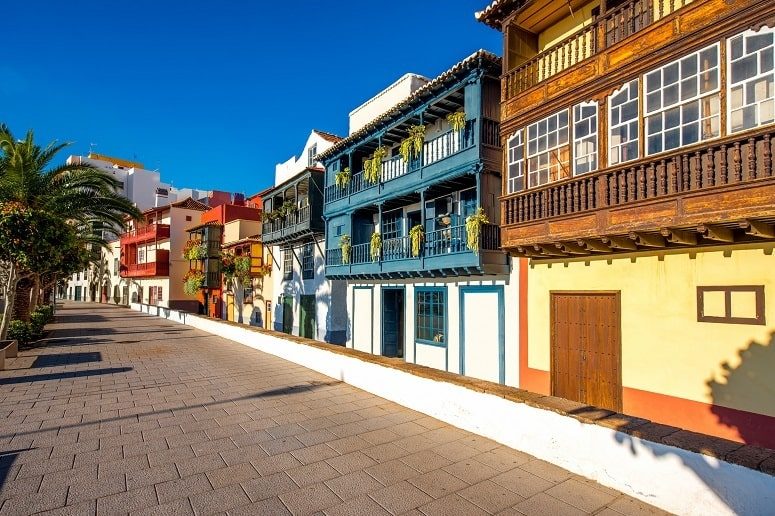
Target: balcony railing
(614,26)
(160,267)
(434,150)
(447,241)
(145,233)
(289,225)
(733,160)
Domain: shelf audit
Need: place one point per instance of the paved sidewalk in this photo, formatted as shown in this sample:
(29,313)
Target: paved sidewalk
(125,413)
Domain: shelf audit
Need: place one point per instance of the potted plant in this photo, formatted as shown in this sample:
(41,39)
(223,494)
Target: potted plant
(375,246)
(288,208)
(474,229)
(346,247)
(457,121)
(417,237)
(194,249)
(342,178)
(411,146)
(372,167)
(192,282)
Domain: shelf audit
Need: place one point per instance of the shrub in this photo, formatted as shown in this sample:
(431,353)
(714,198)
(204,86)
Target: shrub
(47,311)
(20,331)
(37,321)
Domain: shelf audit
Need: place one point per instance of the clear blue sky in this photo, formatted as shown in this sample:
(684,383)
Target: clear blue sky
(215,94)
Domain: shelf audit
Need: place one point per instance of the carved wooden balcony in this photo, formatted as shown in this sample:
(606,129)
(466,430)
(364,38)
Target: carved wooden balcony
(718,192)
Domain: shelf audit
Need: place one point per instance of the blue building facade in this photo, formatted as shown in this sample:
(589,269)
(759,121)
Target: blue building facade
(399,232)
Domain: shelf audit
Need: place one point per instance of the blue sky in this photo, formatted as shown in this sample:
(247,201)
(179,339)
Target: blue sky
(212,96)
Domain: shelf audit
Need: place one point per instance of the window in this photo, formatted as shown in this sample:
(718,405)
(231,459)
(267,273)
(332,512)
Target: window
(115,266)
(308,262)
(751,79)
(311,152)
(339,230)
(288,264)
(516,157)
(734,304)
(141,256)
(547,149)
(392,225)
(584,137)
(431,321)
(623,124)
(682,102)
(247,295)
(159,296)
(188,218)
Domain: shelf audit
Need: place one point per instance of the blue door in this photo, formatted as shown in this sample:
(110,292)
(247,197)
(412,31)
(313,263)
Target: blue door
(393,322)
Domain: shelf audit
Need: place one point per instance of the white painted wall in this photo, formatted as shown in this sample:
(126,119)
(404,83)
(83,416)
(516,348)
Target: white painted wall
(297,164)
(673,479)
(385,99)
(482,318)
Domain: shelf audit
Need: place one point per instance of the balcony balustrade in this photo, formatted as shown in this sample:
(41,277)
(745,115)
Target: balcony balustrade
(293,224)
(158,268)
(146,234)
(605,31)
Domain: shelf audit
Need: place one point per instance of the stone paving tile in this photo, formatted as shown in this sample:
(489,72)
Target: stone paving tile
(196,423)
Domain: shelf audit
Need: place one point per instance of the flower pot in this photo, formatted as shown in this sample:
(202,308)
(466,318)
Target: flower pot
(10,347)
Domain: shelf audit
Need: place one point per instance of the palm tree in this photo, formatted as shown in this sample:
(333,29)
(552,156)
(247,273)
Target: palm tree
(83,196)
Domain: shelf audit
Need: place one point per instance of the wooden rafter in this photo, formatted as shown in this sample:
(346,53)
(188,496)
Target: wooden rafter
(679,236)
(717,233)
(571,248)
(619,242)
(758,229)
(648,239)
(593,244)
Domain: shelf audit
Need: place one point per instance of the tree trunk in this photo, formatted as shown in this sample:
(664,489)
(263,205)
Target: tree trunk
(10,297)
(21,309)
(35,294)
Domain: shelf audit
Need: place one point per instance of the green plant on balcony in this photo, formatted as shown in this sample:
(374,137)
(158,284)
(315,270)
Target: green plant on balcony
(372,167)
(288,208)
(195,249)
(411,146)
(235,268)
(346,246)
(457,121)
(417,237)
(375,246)
(474,229)
(342,178)
(192,282)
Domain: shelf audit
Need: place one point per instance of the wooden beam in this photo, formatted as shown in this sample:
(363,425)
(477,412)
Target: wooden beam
(717,233)
(594,245)
(679,236)
(545,249)
(571,248)
(758,229)
(620,243)
(648,239)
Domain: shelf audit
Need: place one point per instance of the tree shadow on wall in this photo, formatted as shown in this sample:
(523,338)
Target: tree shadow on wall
(743,385)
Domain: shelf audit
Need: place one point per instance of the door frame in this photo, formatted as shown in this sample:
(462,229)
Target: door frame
(371,315)
(402,288)
(284,297)
(304,315)
(618,296)
(499,289)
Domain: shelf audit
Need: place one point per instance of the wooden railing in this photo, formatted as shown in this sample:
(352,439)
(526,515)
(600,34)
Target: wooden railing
(159,267)
(613,27)
(151,231)
(397,248)
(287,224)
(733,160)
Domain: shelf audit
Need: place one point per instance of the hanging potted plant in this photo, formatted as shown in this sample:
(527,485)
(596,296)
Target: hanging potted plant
(372,167)
(417,237)
(194,249)
(288,208)
(411,146)
(375,246)
(192,282)
(342,178)
(346,247)
(474,229)
(457,121)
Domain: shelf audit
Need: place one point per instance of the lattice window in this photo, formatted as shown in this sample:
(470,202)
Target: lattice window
(431,319)
(308,262)
(623,124)
(751,79)
(516,158)
(548,151)
(584,137)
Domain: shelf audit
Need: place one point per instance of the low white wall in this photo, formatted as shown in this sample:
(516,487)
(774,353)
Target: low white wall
(676,480)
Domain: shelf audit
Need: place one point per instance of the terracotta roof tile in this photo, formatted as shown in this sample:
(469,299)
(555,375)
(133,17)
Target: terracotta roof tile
(497,10)
(329,137)
(396,111)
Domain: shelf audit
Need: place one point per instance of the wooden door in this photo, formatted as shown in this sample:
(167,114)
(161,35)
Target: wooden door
(230,307)
(307,316)
(288,314)
(586,348)
(393,322)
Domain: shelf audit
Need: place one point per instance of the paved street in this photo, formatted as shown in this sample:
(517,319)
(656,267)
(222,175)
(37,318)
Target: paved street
(126,413)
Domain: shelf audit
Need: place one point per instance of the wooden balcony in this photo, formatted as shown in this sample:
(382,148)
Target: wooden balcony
(158,268)
(718,192)
(627,40)
(148,233)
(294,226)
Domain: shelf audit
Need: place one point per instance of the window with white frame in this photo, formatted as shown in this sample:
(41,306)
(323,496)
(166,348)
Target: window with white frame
(751,78)
(311,152)
(623,124)
(141,256)
(584,137)
(516,157)
(548,151)
(288,264)
(682,101)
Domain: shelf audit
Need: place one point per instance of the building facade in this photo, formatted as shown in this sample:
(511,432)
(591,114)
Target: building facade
(408,228)
(306,302)
(151,261)
(637,201)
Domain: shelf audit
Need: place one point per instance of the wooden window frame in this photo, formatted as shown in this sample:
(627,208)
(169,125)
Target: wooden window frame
(727,109)
(519,163)
(758,290)
(638,119)
(418,291)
